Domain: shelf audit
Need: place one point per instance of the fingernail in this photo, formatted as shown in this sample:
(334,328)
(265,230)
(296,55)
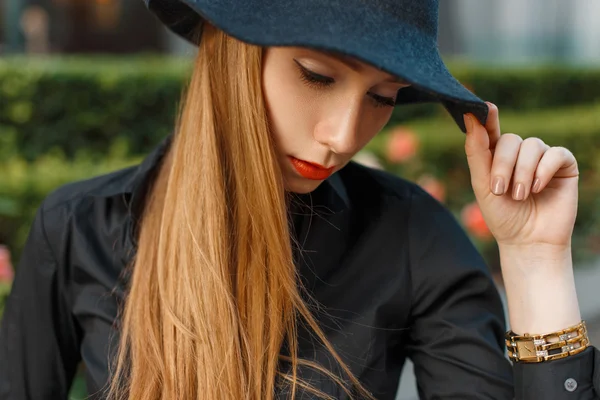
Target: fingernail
(498,186)
(519,192)
(536,185)
(468,122)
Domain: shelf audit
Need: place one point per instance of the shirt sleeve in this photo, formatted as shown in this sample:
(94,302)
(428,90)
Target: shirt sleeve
(38,342)
(458,323)
(572,378)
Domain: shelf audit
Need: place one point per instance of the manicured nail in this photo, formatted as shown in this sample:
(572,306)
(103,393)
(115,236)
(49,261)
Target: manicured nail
(468,122)
(519,191)
(498,186)
(536,185)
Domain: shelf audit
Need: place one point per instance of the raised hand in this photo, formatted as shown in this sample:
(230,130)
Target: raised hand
(527,190)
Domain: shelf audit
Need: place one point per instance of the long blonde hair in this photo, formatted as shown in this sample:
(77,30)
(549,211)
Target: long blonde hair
(214,291)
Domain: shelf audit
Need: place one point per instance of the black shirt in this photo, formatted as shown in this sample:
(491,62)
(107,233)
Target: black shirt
(395,274)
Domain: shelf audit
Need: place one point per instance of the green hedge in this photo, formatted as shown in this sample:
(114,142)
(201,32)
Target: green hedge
(82,103)
(70,103)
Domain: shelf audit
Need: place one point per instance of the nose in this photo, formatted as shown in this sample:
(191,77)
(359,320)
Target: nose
(339,131)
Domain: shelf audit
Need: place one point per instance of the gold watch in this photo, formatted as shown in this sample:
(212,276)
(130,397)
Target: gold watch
(552,346)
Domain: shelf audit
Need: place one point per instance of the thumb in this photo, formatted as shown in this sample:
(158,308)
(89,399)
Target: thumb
(479,155)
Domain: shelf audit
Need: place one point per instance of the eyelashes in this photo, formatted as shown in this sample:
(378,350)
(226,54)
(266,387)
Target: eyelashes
(313,79)
(318,81)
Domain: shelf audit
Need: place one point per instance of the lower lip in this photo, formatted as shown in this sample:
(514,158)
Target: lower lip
(311,171)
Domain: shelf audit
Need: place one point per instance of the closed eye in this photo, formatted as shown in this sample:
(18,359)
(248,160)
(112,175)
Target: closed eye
(318,81)
(312,78)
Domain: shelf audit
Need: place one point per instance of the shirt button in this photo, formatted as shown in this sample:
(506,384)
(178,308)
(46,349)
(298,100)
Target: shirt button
(571,384)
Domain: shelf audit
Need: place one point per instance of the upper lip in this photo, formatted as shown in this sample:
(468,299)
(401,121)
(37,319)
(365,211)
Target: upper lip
(316,164)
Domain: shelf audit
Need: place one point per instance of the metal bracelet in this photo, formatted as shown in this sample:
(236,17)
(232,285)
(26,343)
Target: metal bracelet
(547,347)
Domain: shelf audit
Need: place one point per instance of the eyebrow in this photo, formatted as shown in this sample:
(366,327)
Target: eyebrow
(356,66)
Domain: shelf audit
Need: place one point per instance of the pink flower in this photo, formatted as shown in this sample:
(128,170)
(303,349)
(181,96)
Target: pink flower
(402,145)
(6,268)
(473,220)
(433,186)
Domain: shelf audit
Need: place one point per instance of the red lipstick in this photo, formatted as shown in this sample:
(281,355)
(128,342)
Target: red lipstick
(311,170)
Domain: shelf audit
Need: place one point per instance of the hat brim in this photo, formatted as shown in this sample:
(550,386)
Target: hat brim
(402,49)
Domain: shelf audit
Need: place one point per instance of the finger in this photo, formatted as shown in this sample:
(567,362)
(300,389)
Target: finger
(557,162)
(503,165)
(480,146)
(531,152)
(479,155)
(492,125)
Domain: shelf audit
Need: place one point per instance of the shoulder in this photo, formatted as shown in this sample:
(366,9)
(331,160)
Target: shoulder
(70,195)
(107,190)
(84,212)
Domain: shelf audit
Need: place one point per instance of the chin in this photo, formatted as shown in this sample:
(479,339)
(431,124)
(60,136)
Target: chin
(301,185)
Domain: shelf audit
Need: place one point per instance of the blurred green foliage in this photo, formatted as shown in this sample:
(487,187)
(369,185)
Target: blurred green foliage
(4,290)
(74,103)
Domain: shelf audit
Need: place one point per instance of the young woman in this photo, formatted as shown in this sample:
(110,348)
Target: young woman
(249,258)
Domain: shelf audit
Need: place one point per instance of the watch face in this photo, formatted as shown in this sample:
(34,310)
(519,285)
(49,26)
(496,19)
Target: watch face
(526,349)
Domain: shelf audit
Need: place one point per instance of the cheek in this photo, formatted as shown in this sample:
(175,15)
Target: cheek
(383,119)
(291,112)
(373,121)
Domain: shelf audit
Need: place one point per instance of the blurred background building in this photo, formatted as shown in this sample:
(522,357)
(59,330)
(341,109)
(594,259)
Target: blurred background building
(517,31)
(81,26)
(507,31)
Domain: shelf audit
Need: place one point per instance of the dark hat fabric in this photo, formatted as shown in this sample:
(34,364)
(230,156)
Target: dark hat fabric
(397,36)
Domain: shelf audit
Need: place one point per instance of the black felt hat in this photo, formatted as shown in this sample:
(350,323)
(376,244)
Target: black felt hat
(398,36)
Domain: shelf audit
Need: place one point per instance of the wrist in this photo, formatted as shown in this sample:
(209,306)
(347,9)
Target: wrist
(540,288)
(534,259)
